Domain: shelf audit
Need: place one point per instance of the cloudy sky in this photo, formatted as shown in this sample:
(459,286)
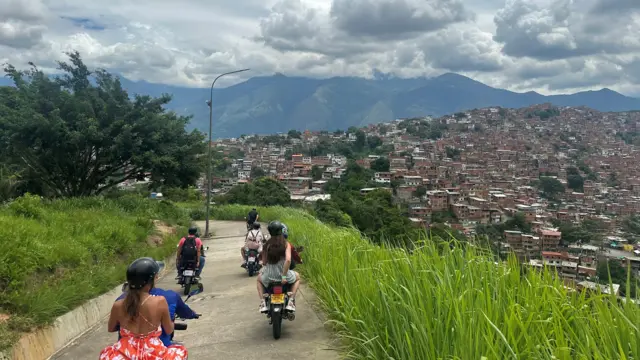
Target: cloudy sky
(551,46)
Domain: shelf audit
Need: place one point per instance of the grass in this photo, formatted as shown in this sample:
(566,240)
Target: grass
(444,303)
(56,255)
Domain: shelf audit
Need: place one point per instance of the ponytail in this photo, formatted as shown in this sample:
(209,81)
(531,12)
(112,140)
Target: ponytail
(132,302)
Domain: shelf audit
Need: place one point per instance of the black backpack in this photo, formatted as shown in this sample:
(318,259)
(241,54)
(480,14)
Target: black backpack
(189,249)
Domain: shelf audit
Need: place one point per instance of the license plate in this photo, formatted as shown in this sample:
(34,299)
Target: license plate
(188,273)
(252,259)
(277,298)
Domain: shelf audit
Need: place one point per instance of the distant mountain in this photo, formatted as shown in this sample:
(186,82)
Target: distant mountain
(279,103)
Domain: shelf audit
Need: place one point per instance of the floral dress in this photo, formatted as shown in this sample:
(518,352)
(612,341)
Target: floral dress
(142,347)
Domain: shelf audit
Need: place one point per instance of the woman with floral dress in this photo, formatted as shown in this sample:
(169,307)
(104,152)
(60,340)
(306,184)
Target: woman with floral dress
(141,318)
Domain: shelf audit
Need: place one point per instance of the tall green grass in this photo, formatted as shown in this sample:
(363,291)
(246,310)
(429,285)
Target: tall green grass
(54,255)
(442,303)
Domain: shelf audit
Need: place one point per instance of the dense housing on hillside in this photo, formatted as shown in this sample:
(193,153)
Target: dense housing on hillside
(481,167)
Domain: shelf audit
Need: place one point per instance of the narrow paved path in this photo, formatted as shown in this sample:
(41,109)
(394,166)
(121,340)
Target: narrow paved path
(230,326)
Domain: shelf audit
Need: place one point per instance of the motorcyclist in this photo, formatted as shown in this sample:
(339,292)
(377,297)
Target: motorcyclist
(295,256)
(139,318)
(176,305)
(276,258)
(252,217)
(191,247)
(253,241)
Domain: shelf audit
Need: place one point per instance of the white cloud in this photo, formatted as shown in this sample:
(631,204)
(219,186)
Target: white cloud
(544,45)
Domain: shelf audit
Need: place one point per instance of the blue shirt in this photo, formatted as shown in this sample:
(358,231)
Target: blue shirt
(176,307)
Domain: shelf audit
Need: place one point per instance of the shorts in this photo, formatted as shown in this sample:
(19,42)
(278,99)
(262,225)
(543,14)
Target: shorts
(265,278)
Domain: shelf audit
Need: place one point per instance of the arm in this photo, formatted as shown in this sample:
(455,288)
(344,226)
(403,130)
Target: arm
(264,253)
(165,319)
(113,325)
(199,251)
(287,260)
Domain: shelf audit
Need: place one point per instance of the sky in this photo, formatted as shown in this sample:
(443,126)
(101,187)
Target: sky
(549,46)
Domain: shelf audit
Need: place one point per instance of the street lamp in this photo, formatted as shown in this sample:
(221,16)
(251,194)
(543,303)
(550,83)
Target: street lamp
(210,104)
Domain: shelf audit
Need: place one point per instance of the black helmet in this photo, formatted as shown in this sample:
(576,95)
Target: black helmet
(256,225)
(254,209)
(275,228)
(142,272)
(193,230)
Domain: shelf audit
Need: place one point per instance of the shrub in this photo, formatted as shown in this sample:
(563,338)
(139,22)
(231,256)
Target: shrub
(54,255)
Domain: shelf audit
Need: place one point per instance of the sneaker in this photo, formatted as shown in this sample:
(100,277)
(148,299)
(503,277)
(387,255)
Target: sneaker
(291,305)
(243,265)
(263,307)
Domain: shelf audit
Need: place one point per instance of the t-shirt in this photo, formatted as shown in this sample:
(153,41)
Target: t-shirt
(252,216)
(198,242)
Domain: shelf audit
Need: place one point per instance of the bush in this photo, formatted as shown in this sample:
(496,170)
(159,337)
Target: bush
(441,302)
(54,255)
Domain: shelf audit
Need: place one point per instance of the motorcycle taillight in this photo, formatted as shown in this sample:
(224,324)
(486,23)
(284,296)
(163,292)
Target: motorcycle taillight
(277,289)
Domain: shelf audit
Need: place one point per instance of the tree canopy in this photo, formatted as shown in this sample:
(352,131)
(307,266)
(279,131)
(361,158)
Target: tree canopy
(80,133)
(264,191)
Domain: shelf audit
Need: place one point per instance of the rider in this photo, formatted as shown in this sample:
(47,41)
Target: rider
(176,305)
(253,241)
(295,256)
(189,249)
(139,318)
(252,217)
(276,258)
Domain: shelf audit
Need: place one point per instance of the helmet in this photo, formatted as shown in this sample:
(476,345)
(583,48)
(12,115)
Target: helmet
(254,209)
(142,272)
(193,230)
(256,225)
(285,231)
(275,228)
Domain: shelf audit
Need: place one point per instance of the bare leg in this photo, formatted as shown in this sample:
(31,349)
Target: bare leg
(260,289)
(295,286)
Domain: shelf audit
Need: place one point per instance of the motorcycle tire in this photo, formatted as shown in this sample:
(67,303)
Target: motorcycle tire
(276,319)
(251,271)
(187,285)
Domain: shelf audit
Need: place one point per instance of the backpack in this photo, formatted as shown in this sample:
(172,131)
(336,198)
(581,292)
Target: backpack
(189,250)
(253,236)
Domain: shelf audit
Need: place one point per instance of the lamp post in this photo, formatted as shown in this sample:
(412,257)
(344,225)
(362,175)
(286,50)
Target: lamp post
(210,104)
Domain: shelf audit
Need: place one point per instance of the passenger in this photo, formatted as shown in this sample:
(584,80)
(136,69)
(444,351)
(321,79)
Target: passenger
(276,258)
(253,241)
(141,317)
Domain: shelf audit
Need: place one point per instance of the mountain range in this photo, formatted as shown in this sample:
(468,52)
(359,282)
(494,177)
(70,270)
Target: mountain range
(278,103)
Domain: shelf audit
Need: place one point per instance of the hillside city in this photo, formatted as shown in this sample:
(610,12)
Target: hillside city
(556,167)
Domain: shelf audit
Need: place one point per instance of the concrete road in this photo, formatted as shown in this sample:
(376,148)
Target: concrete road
(230,326)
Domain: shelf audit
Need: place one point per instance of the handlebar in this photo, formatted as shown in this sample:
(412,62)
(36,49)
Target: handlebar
(180,326)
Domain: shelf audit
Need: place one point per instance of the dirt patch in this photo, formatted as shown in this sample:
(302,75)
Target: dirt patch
(161,230)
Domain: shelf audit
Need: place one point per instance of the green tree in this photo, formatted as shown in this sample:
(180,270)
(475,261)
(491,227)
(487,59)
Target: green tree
(329,212)
(294,134)
(264,191)
(421,190)
(257,172)
(575,182)
(380,164)
(316,172)
(550,187)
(73,138)
(374,142)
(361,140)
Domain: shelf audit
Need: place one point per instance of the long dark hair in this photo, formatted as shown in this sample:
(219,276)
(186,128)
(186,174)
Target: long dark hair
(133,300)
(276,249)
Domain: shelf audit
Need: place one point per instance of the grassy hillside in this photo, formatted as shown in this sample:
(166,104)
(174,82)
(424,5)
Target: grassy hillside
(56,255)
(443,303)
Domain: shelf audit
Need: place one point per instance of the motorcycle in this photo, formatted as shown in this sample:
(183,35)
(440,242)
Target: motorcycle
(187,277)
(277,300)
(252,263)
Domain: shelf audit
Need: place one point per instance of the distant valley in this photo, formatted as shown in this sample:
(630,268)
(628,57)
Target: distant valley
(279,103)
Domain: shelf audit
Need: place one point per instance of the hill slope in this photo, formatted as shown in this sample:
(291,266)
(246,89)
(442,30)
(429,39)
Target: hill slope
(278,103)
